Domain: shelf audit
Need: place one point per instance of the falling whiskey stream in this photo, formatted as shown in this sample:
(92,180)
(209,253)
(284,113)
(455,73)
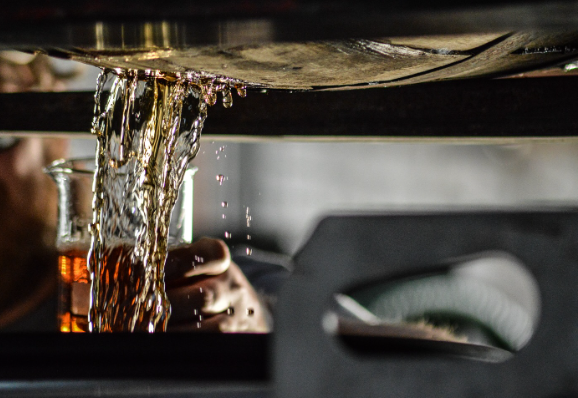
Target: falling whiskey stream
(148,132)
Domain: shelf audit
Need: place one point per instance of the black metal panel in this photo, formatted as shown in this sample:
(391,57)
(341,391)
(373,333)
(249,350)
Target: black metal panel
(350,251)
(466,108)
(132,389)
(68,24)
(50,112)
(543,107)
(175,356)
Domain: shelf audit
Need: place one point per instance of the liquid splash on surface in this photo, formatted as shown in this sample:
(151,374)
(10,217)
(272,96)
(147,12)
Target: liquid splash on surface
(147,134)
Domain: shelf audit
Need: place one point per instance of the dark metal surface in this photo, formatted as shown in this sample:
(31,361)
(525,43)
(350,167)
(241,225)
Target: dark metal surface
(209,358)
(420,348)
(49,112)
(541,107)
(132,389)
(33,24)
(384,339)
(466,108)
(351,251)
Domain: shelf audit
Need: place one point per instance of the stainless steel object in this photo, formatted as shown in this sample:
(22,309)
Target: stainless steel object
(360,249)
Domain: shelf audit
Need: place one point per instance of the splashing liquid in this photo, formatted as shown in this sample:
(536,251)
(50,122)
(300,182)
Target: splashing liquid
(147,134)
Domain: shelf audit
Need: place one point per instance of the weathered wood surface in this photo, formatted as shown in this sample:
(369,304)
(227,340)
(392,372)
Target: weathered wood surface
(288,65)
(351,63)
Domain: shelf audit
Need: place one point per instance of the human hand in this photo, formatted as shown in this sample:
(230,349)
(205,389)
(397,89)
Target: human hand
(209,293)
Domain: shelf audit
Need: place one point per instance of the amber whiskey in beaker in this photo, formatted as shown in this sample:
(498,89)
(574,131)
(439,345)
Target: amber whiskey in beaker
(74,291)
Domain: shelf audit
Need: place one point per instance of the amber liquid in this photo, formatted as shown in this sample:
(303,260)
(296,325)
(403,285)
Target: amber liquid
(123,274)
(74,291)
(147,134)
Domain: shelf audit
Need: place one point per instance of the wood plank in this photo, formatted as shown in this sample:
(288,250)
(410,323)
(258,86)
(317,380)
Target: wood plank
(464,42)
(351,63)
(297,66)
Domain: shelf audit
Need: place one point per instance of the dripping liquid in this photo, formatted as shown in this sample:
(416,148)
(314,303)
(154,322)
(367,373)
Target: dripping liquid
(148,131)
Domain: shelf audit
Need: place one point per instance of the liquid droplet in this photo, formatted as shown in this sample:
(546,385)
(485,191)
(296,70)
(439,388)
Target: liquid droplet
(248,218)
(231,311)
(248,237)
(241,90)
(212,99)
(249,251)
(227,235)
(224,204)
(223,216)
(209,94)
(227,98)
(220,178)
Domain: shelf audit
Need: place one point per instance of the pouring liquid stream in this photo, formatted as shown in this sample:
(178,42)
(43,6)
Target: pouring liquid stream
(147,134)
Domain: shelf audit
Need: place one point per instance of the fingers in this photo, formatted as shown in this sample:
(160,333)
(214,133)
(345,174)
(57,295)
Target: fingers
(202,296)
(208,292)
(204,257)
(214,257)
(221,303)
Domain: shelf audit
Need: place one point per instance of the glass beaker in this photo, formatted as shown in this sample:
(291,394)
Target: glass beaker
(74,179)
